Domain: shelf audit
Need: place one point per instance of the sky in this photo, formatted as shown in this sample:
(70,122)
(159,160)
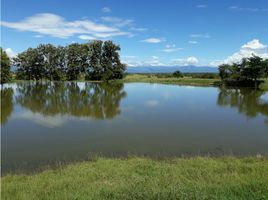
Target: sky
(149,32)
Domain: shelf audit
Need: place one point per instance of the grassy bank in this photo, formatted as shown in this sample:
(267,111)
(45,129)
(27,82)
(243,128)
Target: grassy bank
(187,80)
(140,178)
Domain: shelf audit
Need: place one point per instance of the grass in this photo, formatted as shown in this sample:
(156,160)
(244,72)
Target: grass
(142,178)
(169,80)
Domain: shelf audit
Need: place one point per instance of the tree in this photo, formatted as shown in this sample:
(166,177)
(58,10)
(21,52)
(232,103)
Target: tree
(177,74)
(52,61)
(224,71)
(96,60)
(248,72)
(265,70)
(110,61)
(5,67)
(30,64)
(76,60)
(253,68)
(94,69)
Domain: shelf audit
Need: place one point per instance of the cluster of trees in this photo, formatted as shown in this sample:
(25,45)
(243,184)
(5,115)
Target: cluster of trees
(96,60)
(5,67)
(249,70)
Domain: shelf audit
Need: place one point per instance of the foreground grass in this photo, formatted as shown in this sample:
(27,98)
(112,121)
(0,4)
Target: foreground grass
(140,178)
(169,80)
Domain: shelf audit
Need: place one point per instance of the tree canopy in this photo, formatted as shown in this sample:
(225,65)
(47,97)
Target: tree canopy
(96,60)
(249,70)
(5,67)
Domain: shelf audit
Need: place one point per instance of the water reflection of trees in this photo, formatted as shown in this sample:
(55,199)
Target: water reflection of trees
(6,104)
(99,101)
(247,101)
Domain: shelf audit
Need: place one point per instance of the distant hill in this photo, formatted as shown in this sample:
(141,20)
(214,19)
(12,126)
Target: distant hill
(163,69)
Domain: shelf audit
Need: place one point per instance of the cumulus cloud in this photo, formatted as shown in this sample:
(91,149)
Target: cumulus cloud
(56,26)
(253,47)
(153,40)
(185,61)
(106,9)
(154,61)
(171,48)
(132,61)
(10,52)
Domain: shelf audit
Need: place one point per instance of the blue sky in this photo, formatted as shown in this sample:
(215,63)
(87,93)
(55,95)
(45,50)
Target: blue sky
(162,32)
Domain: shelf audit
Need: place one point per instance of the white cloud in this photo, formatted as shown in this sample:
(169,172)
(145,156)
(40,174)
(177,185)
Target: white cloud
(254,45)
(171,48)
(117,22)
(153,40)
(238,8)
(106,9)
(202,6)
(133,62)
(56,26)
(185,61)
(139,29)
(10,52)
(154,61)
(193,42)
(198,35)
(86,37)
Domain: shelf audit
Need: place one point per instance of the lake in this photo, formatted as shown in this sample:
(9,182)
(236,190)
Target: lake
(52,123)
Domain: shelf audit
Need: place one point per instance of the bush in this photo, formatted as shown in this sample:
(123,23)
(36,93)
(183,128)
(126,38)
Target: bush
(177,74)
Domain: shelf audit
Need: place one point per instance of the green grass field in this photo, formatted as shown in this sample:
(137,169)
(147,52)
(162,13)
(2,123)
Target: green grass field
(169,80)
(140,178)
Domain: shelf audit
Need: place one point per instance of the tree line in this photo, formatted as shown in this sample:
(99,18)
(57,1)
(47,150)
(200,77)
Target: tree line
(248,72)
(96,60)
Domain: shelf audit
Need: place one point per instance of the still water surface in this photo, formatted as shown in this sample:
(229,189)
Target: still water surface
(47,123)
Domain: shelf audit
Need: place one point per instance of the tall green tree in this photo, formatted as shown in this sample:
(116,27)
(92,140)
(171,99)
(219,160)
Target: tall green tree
(110,61)
(76,60)
(30,65)
(5,67)
(249,70)
(253,68)
(94,70)
(96,60)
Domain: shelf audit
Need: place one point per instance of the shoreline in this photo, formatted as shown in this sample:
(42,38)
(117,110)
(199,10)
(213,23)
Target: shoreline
(144,78)
(225,177)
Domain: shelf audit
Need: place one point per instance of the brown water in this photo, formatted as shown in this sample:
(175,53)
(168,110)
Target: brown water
(47,123)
